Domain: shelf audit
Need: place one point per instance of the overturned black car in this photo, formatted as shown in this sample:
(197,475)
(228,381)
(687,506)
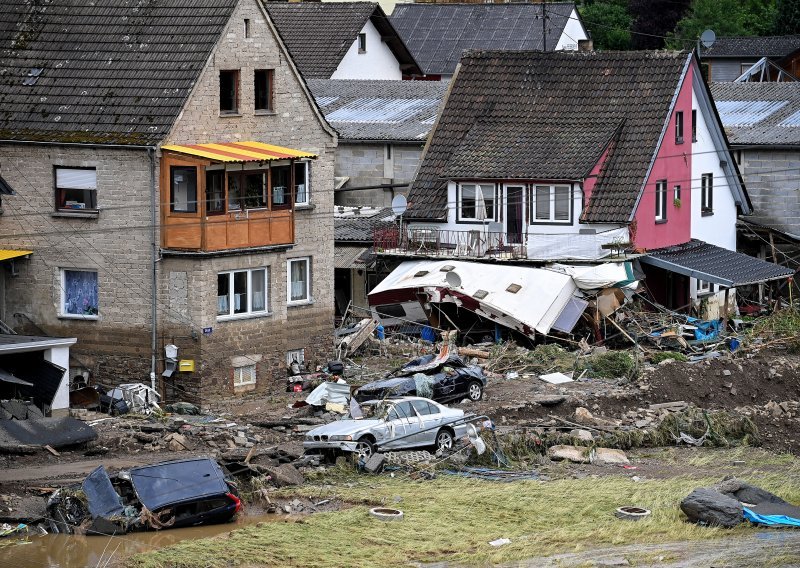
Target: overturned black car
(441,379)
(170,494)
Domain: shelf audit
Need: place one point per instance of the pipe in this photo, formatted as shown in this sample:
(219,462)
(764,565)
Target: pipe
(154,283)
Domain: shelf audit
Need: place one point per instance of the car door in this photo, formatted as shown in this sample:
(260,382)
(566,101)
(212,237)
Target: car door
(430,418)
(398,424)
(443,386)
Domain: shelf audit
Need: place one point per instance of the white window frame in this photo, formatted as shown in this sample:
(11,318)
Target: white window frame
(661,200)
(307,189)
(250,313)
(551,201)
(488,189)
(307,299)
(707,194)
(245,375)
(86,186)
(62,313)
(298,355)
(704,287)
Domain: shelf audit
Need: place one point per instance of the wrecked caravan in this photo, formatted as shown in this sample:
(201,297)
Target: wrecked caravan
(170,494)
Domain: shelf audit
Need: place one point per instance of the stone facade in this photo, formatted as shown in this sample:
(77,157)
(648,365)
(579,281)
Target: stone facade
(771,180)
(367,164)
(117,242)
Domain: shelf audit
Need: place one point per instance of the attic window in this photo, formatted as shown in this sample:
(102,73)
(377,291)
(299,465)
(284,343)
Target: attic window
(420,274)
(362,43)
(33,76)
(229,92)
(480,294)
(513,288)
(246,27)
(447,268)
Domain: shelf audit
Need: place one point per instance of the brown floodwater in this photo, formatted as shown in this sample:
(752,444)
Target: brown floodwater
(76,551)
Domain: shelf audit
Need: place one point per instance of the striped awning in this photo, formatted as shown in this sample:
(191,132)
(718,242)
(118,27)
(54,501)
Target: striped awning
(239,151)
(9,254)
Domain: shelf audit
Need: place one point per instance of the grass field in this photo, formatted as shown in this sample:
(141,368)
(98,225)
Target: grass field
(454,519)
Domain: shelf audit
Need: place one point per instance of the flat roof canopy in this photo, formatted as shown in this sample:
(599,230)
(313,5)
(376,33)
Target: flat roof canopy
(239,151)
(8,254)
(711,263)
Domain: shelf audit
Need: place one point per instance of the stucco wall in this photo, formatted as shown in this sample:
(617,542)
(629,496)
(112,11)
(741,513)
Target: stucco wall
(377,62)
(573,32)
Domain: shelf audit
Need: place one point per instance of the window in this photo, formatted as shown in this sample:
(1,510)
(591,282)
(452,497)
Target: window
(694,125)
(243,376)
(295,356)
(677,193)
(242,292)
(247,189)
(679,127)
(229,92)
(707,194)
(301,183)
(551,203)
(263,89)
(79,293)
(246,27)
(76,189)
(215,191)
(183,189)
(280,186)
(362,43)
(476,202)
(298,281)
(424,408)
(704,287)
(661,201)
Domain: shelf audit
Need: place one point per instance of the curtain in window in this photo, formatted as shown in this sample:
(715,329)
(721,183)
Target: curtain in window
(223,292)
(258,280)
(240,292)
(80,292)
(562,203)
(299,278)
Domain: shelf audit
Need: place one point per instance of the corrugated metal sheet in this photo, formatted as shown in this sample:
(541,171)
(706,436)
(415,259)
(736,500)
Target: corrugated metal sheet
(346,257)
(792,120)
(239,151)
(9,254)
(391,111)
(747,113)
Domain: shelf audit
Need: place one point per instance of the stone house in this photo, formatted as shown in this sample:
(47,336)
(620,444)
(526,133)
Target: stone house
(174,180)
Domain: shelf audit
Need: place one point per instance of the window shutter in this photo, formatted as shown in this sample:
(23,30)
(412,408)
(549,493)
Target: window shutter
(76,179)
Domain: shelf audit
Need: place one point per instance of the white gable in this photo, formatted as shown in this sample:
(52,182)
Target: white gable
(573,32)
(376,62)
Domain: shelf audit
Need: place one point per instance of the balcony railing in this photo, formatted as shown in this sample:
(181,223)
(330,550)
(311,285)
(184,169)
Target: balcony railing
(476,243)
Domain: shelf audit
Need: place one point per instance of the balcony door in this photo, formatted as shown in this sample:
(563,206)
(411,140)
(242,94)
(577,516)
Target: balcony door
(515,195)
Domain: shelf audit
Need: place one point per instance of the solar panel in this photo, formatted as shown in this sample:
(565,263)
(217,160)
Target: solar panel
(747,113)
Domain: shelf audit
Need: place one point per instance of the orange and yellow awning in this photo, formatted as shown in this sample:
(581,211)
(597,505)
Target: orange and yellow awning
(7,254)
(239,151)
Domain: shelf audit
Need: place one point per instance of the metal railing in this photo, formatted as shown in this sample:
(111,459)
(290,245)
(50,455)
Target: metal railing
(436,242)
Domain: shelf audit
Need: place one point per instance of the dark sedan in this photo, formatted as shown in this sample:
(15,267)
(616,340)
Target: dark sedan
(429,376)
(170,494)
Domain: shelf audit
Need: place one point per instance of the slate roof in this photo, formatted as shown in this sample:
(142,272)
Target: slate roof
(753,46)
(360,229)
(101,72)
(318,34)
(715,264)
(438,34)
(759,113)
(379,110)
(580,102)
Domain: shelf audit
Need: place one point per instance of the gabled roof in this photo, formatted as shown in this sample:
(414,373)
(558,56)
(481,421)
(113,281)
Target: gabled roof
(379,110)
(759,113)
(581,103)
(438,34)
(753,46)
(318,34)
(102,72)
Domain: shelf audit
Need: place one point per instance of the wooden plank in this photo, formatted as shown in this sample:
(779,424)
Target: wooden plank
(51,450)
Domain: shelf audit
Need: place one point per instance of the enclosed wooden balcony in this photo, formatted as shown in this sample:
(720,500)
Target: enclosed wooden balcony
(216,197)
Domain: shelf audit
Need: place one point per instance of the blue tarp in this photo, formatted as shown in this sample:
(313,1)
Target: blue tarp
(770,520)
(705,329)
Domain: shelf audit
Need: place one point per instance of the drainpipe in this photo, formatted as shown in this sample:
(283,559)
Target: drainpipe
(154,284)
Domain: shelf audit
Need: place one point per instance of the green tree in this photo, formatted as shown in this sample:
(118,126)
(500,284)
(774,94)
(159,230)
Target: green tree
(787,17)
(726,18)
(609,24)
(653,20)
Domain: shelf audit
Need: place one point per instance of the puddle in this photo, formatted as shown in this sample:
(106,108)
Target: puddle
(74,551)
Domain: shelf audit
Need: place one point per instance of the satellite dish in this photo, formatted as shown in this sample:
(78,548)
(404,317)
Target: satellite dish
(399,204)
(453,279)
(707,38)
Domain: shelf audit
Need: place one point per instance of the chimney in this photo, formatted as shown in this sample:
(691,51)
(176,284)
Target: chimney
(585,45)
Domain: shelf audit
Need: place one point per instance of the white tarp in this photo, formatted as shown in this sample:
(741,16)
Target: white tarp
(519,297)
(337,393)
(600,275)
(574,247)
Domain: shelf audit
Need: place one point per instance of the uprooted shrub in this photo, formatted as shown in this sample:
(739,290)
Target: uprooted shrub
(611,365)
(780,324)
(660,356)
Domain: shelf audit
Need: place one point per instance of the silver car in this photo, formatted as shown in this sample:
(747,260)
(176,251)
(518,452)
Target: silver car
(394,424)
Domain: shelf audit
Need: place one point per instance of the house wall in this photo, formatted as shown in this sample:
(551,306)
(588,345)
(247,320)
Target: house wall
(366,164)
(673,163)
(720,228)
(573,32)
(728,69)
(117,243)
(295,124)
(60,356)
(771,179)
(378,62)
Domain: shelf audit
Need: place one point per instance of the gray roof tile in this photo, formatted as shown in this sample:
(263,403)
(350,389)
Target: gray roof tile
(360,229)
(753,46)
(759,113)
(437,34)
(583,102)
(379,110)
(111,72)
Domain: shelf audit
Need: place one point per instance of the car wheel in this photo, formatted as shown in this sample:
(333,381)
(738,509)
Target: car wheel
(364,448)
(444,440)
(475,391)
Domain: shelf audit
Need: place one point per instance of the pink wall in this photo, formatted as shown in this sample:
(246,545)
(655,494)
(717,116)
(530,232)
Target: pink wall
(591,180)
(674,164)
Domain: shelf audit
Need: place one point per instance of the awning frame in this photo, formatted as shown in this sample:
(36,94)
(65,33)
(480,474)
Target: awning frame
(239,152)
